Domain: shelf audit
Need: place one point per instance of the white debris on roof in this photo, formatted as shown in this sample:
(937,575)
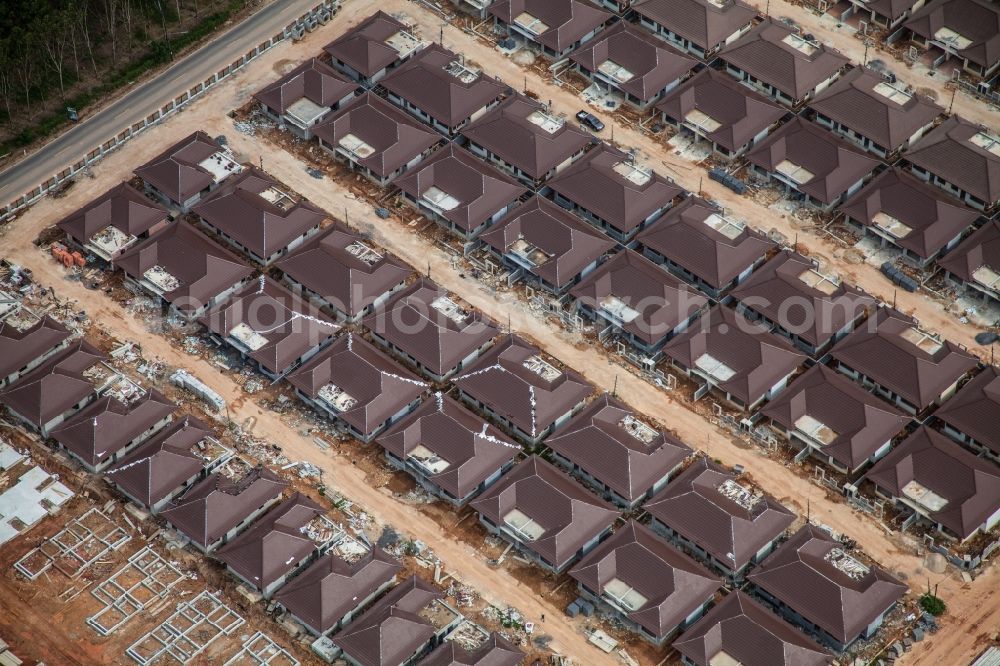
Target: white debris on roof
(534,405)
(493,440)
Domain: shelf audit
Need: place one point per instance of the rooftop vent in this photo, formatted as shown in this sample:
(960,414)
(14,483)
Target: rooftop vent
(440,200)
(618,309)
(725,226)
(624,595)
(542,368)
(950,38)
(794,172)
(356,146)
(846,564)
(801,44)
(403,43)
(450,309)
(638,429)
(702,121)
(615,71)
(549,123)
(528,251)
(427,460)
(988,142)
(893,93)
(923,340)
(533,25)
(363,253)
(524,526)
(633,173)
(815,429)
(247,336)
(460,71)
(827,284)
(161,279)
(891,225)
(714,368)
(337,397)
(746,498)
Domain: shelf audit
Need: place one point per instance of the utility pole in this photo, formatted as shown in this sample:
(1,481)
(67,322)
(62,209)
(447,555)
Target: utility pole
(614,392)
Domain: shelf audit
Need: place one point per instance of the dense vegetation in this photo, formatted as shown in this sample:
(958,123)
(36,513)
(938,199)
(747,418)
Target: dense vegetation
(70,53)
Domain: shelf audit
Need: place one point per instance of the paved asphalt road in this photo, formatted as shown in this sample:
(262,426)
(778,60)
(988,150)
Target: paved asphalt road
(138,103)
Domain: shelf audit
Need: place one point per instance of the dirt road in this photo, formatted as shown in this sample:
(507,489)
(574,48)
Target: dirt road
(967,606)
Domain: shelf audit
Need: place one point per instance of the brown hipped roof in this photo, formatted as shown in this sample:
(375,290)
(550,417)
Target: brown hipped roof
(162,463)
(313,80)
(391,630)
(202,269)
(332,587)
(472,448)
(55,386)
(270,324)
(380,386)
(393,135)
(705,24)
(694,506)
(662,301)
(834,163)
(240,211)
(418,322)
(763,54)
(593,184)
(758,358)
(948,152)
(741,113)
(977,21)
(810,574)
(975,409)
(597,441)
(934,218)
(336,266)
(480,189)
(495,651)
(672,585)
(855,102)
(888,358)
(177,172)
(683,236)
(569,515)
(775,287)
(509,132)
(426,83)
(653,64)
(364,47)
(122,207)
(861,423)
(502,380)
(968,485)
(274,544)
(567,244)
(209,509)
(565,21)
(750,635)
(981,248)
(20,347)
(108,425)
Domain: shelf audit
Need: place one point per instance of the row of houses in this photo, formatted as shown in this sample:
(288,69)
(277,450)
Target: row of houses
(961,31)
(503,394)
(870,113)
(279,543)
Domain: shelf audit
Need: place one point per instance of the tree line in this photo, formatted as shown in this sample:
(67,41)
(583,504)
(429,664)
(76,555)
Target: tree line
(59,53)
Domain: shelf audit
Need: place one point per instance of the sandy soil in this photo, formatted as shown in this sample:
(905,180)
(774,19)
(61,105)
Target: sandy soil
(967,606)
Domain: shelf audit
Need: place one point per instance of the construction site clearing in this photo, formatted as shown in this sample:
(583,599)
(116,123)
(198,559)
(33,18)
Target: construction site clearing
(128,584)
